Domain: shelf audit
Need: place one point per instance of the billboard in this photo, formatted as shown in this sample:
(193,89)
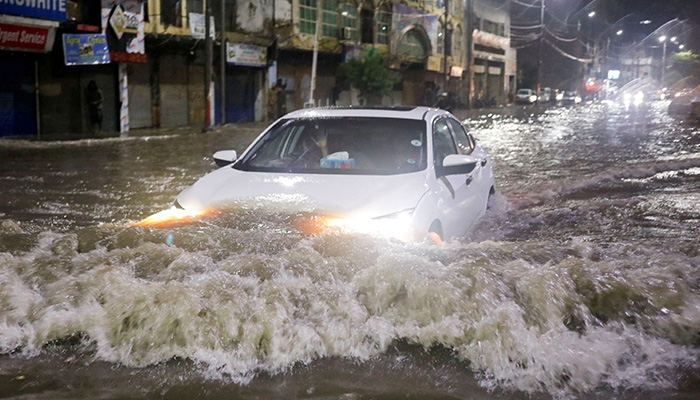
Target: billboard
(85,49)
(26,38)
(46,9)
(246,55)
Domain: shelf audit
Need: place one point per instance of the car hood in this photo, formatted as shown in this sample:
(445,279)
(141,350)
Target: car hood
(360,195)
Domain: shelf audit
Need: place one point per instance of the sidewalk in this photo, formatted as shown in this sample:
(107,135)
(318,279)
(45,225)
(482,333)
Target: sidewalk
(248,128)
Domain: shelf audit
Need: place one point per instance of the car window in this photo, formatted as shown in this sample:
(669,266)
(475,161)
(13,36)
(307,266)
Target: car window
(443,144)
(463,143)
(375,146)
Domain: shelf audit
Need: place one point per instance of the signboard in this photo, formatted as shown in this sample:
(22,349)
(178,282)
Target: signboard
(85,49)
(246,54)
(47,9)
(614,74)
(198,26)
(26,38)
(125,34)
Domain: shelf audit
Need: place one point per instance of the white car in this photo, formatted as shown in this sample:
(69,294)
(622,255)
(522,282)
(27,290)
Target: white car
(525,96)
(400,172)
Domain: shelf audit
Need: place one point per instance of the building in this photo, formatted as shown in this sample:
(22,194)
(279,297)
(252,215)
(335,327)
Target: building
(149,58)
(493,61)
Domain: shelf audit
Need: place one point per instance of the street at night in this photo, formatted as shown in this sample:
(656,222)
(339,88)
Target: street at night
(581,279)
(349,199)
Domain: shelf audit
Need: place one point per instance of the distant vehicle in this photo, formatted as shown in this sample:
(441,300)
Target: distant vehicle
(525,96)
(545,95)
(386,171)
(569,98)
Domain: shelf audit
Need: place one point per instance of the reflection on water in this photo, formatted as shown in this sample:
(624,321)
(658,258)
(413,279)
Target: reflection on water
(582,279)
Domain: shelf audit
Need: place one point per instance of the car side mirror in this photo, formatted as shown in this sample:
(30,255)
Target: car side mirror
(456,164)
(225,157)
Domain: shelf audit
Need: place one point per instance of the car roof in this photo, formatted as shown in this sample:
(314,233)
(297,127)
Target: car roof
(414,113)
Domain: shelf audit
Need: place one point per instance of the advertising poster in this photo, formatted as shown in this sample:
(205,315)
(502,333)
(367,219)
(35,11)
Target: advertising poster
(85,49)
(246,55)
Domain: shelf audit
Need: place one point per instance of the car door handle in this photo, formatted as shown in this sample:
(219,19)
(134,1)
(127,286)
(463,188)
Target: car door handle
(484,161)
(469,180)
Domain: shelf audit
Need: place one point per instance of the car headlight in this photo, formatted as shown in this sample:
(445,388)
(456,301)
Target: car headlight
(396,225)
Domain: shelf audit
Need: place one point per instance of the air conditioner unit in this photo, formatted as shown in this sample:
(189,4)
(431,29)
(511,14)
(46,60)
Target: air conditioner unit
(346,33)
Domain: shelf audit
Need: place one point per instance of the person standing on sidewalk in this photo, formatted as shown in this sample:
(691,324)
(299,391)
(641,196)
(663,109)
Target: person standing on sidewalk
(95,99)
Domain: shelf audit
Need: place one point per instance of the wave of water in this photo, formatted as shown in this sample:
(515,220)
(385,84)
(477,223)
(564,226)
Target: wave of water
(244,293)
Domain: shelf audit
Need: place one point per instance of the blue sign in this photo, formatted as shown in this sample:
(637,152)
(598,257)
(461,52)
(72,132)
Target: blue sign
(47,9)
(85,49)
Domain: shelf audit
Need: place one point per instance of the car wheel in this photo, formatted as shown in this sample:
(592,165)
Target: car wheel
(435,231)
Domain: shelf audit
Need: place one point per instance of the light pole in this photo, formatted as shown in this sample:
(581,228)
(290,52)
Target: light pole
(662,39)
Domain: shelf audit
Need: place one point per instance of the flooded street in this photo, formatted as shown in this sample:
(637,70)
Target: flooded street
(581,281)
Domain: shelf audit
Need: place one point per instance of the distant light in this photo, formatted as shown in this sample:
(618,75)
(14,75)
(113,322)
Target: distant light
(591,14)
(681,46)
(662,38)
(619,32)
(673,39)
(344,13)
(645,22)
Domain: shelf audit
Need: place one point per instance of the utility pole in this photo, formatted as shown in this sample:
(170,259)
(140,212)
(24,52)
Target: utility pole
(314,61)
(444,44)
(539,52)
(208,50)
(222,55)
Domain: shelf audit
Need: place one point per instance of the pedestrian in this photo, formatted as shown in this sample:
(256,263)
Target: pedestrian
(281,98)
(95,99)
(272,103)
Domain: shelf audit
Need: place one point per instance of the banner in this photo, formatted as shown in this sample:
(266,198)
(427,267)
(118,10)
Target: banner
(198,26)
(246,55)
(85,49)
(26,38)
(47,9)
(125,33)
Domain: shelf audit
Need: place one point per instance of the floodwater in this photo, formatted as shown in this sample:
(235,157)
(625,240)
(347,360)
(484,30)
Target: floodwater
(582,281)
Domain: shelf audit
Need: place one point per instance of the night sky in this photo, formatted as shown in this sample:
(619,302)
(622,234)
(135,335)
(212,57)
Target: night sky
(570,28)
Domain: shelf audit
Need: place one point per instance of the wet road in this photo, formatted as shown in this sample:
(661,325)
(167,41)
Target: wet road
(582,280)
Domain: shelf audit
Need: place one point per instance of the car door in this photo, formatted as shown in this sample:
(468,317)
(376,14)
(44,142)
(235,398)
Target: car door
(481,183)
(456,194)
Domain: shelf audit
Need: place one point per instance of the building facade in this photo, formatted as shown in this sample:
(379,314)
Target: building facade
(149,58)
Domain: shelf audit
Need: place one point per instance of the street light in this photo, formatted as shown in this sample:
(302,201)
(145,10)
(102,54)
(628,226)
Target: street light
(619,32)
(681,47)
(645,22)
(591,14)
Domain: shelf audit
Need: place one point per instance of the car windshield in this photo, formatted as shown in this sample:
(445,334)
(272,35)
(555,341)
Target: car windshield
(369,146)
(524,91)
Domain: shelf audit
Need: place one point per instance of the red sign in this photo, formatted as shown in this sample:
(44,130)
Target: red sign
(27,38)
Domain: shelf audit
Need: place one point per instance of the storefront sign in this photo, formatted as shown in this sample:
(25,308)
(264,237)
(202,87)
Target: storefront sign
(198,26)
(85,49)
(47,9)
(246,55)
(26,38)
(125,33)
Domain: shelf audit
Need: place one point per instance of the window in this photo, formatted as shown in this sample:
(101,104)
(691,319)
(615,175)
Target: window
(464,144)
(367,25)
(457,42)
(443,145)
(348,12)
(330,18)
(383,24)
(171,12)
(367,146)
(307,16)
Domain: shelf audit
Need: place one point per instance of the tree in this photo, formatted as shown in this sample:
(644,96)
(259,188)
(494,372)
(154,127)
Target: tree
(687,63)
(370,76)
